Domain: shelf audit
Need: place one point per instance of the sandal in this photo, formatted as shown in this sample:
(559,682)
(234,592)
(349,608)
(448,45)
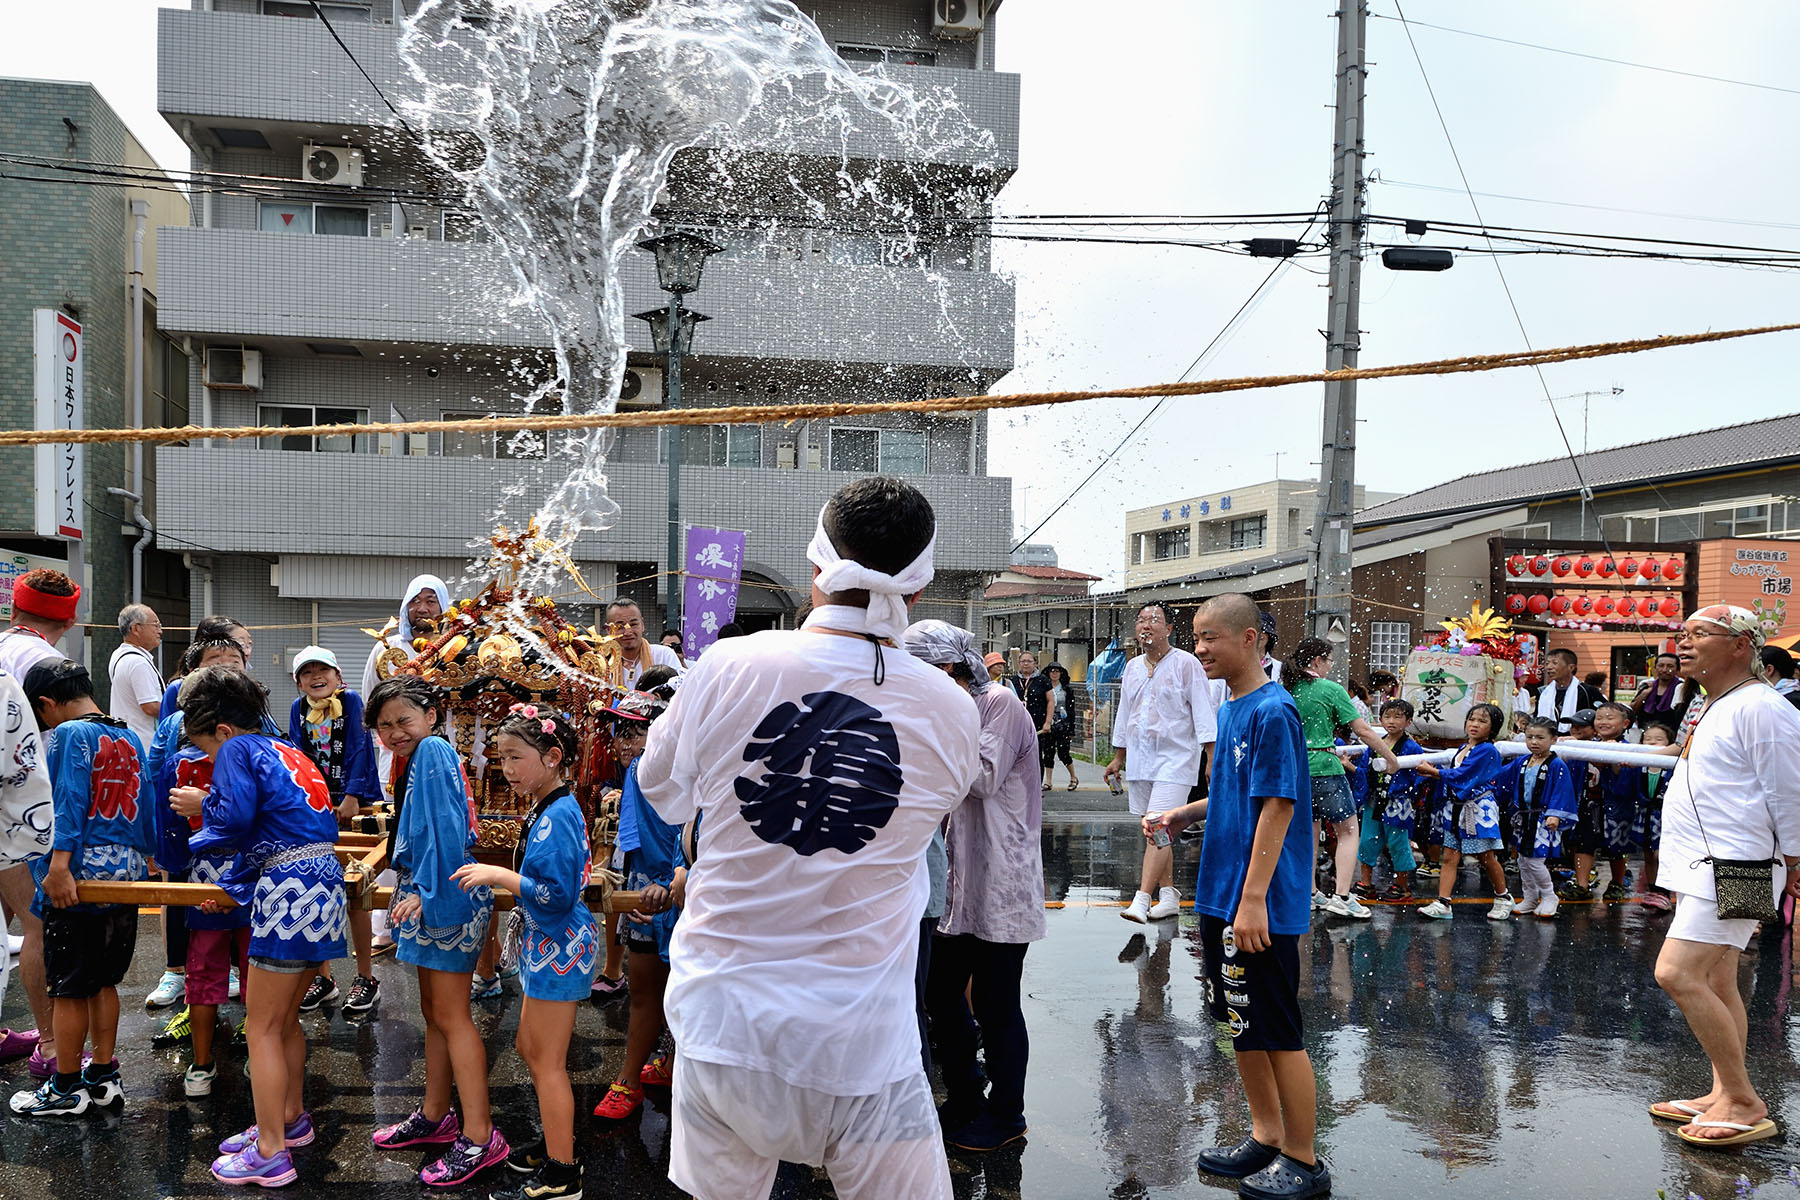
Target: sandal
(1764,1128)
(1684,1112)
(1073,784)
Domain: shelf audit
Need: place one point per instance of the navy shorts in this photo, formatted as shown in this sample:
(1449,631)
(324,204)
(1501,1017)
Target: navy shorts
(1256,995)
(87,948)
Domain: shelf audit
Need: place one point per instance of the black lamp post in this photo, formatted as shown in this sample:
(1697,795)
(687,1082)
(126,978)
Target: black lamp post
(680,260)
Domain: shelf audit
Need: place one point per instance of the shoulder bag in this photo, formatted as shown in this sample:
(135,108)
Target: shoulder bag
(1744,887)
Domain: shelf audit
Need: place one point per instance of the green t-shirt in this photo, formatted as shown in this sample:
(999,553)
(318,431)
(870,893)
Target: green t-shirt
(1324,707)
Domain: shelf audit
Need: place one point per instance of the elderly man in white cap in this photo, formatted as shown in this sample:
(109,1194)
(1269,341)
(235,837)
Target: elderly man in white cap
(820,761)
(995,906)
(1732,808)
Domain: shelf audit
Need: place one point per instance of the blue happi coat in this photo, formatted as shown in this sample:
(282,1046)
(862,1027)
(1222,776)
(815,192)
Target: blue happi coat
(560,946)
(102,797)
(1393,795)
(1552,796)
(1473,810)
(434,835)
(270,809)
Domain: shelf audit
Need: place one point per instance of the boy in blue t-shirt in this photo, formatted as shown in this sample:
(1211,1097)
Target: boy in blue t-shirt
(104,829)
(1254,901)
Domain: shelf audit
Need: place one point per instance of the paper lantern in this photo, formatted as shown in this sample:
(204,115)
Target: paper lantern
(1606,606)
(1515,603)
(1585,567)
(1607,568)
(1561,567)
(1537,604)
(1673,568)
(1651,569)
(1559,605)
(1671,607)
(1539,565)
(1515,566)
(1629,568)
(1628,607)
(1583,605)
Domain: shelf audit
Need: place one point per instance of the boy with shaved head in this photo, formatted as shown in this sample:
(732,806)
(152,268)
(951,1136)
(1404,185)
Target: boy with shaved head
(1254,903)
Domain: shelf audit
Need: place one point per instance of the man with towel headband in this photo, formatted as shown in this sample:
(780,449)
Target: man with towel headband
(822,759)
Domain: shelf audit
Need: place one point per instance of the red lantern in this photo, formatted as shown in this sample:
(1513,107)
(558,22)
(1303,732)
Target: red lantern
(1606,606)
(1670,607)
(1673,568)
(1559,605)
(1515,603)
(1607,568)
(1561,567)
(1628,607)
(1539,565)
(1628,569)
(1515,566)
(1651,569)
(1583,606)
(1537,604)
(1585,567)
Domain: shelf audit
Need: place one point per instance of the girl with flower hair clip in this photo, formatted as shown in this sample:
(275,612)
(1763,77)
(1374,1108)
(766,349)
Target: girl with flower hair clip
(550,930)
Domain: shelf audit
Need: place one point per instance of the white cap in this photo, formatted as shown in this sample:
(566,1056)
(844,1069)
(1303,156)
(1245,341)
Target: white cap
(314,654)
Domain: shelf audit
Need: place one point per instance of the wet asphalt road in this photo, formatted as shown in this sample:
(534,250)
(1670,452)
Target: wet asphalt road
(1472,1059)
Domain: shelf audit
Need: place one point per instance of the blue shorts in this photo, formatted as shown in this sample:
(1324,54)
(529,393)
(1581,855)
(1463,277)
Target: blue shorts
(552,967)
(1331,798)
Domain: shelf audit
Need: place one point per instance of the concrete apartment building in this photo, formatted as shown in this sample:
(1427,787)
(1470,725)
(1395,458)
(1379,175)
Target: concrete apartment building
(321,301)
(66,246)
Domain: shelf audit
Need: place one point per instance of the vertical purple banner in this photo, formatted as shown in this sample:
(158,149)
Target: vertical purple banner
(709,594)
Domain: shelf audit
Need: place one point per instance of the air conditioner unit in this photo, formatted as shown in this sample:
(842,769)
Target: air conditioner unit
(642,387)
(813,458)
(234,369)
(784,457)
(339,166)
(387,229)
(956,18)
(421,232)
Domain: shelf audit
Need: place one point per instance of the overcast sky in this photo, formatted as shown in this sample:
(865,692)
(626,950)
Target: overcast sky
(1199,106)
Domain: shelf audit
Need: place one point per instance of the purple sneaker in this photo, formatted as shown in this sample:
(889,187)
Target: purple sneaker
(43,1068)
(17,1043)
(465,1160)
(419,1130)
(249,1166)
(299,1132)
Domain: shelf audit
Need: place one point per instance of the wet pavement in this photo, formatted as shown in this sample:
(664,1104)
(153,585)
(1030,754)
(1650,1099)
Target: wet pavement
(1468,1059)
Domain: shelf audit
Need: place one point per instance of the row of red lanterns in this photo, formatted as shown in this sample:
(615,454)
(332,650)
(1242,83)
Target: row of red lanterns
(1647,607)
(1650,570)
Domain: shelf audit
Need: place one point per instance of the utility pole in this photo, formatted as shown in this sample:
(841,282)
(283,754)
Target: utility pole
(1328,561)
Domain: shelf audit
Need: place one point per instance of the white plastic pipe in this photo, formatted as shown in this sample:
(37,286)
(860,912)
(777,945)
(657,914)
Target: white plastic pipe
(1625,754)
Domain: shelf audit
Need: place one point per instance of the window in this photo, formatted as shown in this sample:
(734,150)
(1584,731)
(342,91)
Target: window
(1538,532)
(284,218)
(1751,519)
(500,443)
(902,452)
(855,450)
(716,446)
(1389,644)
(1248,533)
(300,8)
(302,415)
(892,56)
(339,219)
(1171,543)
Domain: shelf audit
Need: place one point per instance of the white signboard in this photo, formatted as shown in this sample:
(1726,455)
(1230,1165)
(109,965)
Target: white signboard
(13,565)
(57,353)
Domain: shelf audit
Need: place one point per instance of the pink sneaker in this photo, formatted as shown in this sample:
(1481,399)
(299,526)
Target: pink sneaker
(17,1043)
(465,1160)
(419,1130)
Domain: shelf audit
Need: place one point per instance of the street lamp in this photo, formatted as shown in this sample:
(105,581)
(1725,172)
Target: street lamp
(680,261)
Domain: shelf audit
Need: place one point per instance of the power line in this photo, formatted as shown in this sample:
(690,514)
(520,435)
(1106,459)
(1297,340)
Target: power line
(1617,62)
(1636,212)
(398,116)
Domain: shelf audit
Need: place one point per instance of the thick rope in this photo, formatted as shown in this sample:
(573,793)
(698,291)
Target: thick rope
(746,414)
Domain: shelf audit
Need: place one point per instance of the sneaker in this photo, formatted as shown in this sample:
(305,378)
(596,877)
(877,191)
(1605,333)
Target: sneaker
(249,1166)
(507,970)
(364,992)
(179,1029)
(620,1101)
(1168,904)
(1437,910)
(170,988)
(17,1043)
(50,1101)
(659,1071)
(1347,906)
(241,1035)
(15,945)
(1521,907)
(197,1081)
(1364,891)
(1139,909)
(1658,902)
(1502,908)
(484,988)
(419,1130)
(465,1160)
(984,1133)
(1396,893)
(550,1181)
(1429,870)
(1319,900)
(1547,906)
(320,991)
(1287,1179)
(1574,891)
(1615,893)
(234,989)
(299,1132)
(528,1158)
(606,988)
(102,1085)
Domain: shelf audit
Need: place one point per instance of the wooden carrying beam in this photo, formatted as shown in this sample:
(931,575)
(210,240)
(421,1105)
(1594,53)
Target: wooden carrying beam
(154,892)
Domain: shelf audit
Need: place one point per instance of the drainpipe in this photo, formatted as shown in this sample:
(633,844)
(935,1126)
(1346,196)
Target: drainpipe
(140,215)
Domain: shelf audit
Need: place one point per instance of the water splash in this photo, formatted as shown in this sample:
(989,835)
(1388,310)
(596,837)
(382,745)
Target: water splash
(560,120)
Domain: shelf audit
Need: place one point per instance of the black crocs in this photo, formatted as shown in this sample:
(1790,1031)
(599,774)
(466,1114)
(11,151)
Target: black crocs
(1235,1162)
(1287,1179)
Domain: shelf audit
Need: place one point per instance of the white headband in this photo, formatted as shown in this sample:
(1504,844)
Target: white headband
(887,593)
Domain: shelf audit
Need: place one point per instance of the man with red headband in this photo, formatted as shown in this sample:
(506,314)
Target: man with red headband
(43,610)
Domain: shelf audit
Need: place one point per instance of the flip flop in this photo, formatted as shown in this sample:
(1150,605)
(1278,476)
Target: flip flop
(1684,1112)
(1073,786)
(1764,1128)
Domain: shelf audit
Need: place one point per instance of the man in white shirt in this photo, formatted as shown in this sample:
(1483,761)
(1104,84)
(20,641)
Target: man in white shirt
(1162,733)
(137,685)
(625,621)
(1563,695)
(820,762)
(44,604)
(1734,795)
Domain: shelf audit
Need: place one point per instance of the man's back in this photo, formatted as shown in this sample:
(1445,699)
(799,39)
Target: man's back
(819,791)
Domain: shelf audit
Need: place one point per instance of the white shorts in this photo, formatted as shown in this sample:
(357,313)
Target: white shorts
(734,1126)
(1148,796)
(1697,920)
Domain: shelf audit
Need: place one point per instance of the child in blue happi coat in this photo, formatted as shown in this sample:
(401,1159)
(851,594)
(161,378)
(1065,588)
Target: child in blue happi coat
(1473,825)
(270,813)
(1387,809)
(1540,790)
(438,927)
(103,830)
(1648,826)
(552,930)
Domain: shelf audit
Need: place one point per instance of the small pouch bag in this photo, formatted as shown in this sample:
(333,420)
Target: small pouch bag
(1745,888)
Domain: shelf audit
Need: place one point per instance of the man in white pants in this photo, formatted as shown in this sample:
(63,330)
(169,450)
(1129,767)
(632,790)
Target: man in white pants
(1735,795)
(820,762)
(1162,734)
